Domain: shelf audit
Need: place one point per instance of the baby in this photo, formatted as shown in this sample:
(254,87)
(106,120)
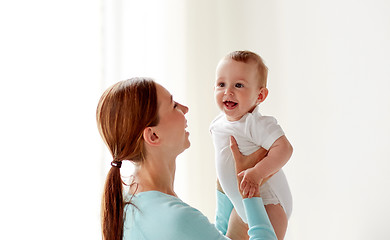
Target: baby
(240,87)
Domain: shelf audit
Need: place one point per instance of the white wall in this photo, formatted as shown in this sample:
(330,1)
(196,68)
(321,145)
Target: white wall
(50,82)
(333,98)
(328,86)
(328,82)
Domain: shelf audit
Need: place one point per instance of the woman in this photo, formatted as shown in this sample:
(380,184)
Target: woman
(139,121)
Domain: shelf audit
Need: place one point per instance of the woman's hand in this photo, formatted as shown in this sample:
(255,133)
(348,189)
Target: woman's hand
(243,163)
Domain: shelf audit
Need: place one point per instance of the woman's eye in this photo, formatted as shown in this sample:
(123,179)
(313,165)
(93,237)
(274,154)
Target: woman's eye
(175,105)
(239,85)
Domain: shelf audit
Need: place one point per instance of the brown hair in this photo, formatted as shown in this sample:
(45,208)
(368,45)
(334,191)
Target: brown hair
(246,56)
(124,111)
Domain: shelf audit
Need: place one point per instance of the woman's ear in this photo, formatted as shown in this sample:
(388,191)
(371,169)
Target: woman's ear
(150,136)
(262,95)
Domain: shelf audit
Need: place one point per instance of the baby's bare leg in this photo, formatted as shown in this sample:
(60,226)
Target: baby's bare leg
(237,229)
(278,219)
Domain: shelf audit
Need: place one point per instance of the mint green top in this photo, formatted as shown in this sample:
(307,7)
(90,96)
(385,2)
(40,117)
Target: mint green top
(156,215)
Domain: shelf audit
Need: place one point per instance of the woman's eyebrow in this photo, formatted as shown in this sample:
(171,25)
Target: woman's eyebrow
(171,100)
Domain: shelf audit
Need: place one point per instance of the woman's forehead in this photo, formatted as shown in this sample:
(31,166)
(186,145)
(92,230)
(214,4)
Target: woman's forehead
(164,97)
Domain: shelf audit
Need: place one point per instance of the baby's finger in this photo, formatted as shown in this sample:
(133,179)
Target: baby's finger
(245,193)
(243,185)
(252,191)
(246,190)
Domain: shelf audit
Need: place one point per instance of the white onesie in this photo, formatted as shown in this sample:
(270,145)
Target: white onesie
(251,132)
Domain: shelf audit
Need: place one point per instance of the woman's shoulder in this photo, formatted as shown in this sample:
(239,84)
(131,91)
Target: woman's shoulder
(153,211)
(158,209)
(148,202)
(168,205)
(156,198)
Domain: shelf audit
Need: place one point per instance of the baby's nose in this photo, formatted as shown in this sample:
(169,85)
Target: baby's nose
(228,91)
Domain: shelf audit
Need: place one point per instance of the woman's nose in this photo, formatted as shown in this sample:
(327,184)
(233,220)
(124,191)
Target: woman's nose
(183,108)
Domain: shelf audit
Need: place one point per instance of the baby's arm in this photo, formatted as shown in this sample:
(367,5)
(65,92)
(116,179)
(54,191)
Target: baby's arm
(278,155)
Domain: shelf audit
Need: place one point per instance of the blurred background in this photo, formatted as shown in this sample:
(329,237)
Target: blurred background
(329,78)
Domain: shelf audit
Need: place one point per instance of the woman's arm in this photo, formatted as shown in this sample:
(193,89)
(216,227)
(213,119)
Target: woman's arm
(189,223)
(259,225)
(224,209)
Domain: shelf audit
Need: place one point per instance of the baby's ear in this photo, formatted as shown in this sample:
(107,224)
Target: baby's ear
(262,95)
(150,136)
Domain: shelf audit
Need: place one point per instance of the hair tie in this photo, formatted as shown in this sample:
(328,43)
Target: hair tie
(117,164)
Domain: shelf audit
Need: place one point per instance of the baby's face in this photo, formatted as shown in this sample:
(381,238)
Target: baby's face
(237,88)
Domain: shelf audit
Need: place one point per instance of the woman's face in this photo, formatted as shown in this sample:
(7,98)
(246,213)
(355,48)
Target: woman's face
(172,122)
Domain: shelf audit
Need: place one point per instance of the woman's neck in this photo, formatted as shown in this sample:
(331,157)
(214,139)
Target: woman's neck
(155,175)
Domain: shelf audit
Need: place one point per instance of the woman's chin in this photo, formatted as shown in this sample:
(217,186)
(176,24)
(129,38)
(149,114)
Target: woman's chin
(187,144)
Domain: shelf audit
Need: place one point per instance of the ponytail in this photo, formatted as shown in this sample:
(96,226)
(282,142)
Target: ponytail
(124,110)
(113,206)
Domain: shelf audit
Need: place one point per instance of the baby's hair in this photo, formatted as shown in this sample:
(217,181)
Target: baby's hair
(246,56)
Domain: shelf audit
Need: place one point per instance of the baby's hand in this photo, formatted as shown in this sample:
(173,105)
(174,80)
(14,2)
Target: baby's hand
(250,182)
(244,163)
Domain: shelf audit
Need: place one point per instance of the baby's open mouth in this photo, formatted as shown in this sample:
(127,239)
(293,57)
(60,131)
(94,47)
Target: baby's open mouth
(230,104)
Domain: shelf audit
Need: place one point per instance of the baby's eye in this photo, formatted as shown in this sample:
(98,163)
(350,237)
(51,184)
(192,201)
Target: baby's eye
(239,85)
(220,84)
